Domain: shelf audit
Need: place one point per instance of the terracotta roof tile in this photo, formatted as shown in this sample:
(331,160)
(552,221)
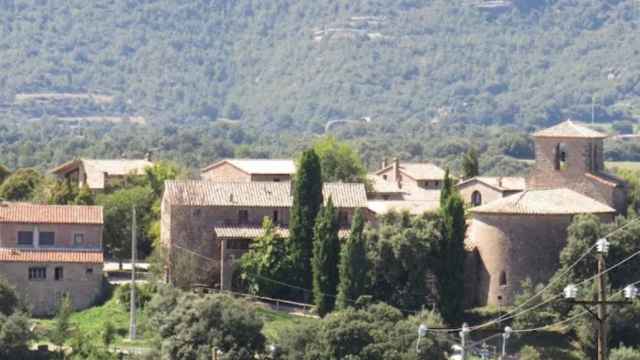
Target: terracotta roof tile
(252,232)
(418,171)
(25,213)
(505,183)
(569,129)
(256,194)
(544,202)
(51,256)
(259,166)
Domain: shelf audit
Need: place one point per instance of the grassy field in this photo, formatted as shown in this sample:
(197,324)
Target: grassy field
(92,322)
(631,165)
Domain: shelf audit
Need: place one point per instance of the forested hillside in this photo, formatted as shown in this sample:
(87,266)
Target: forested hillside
(197,80)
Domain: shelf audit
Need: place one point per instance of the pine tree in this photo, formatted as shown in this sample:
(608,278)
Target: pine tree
(451,255)
(447,188)
(353,265)
(470,165)
(326,255)
(307,199)
(84,197)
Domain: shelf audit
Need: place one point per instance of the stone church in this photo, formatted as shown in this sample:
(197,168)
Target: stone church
(520,235)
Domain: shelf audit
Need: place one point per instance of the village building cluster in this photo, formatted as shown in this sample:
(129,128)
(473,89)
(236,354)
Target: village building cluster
(517,225)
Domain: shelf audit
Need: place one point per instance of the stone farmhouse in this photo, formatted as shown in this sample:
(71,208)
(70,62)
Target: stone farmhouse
(218,220)
(517,235)
(247,170)
(412,187)
(99,174)
(50,250)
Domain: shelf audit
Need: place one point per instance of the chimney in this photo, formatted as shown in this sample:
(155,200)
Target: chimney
(499,181)
(385,163)
(148,155)
(396,171)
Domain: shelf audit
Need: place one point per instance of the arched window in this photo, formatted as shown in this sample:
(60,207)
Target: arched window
(476,198)
(503,279)
(560,161)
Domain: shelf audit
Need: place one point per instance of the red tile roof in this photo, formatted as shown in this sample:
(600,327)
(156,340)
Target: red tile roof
(569,129)
(50,214)
(51,256)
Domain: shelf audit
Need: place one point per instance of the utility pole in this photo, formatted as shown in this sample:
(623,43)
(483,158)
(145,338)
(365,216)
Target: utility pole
(132,300)
(602,304)
(463,340)
(571,291)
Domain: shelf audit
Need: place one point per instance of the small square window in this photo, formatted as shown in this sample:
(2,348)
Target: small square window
(243,217)
(25,238)
(78,239)
(47,238)
(197,212)
(37,273)
(58,274)
(89,271)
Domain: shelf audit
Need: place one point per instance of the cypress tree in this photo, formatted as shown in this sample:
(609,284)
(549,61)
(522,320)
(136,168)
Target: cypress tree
(326,255)
(470,165)
(307,199)
(447,188)
(451,255)
(353,264)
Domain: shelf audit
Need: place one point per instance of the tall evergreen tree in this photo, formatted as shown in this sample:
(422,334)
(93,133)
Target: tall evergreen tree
(353,264)
(326,255)
(307,199)
(447,188)
(470,164)
(451,255)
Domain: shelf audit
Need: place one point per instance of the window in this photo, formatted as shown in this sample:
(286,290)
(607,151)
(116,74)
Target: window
(238,244)
(503,279)
(436,183)
(276,180)
(243,217)
(384,177)
(25,238)
(196,212)
(47,238)
(78,239)
(595,166)
(58,274)
(275,216)
(560,162)
(89,271)
(37,273)
(476,198)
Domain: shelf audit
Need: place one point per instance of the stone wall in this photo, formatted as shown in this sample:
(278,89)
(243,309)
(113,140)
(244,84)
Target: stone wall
(488,193)
(84,287)
(64,234)
(513,248)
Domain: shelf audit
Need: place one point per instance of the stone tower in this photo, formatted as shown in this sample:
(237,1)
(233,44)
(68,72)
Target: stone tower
(570,156)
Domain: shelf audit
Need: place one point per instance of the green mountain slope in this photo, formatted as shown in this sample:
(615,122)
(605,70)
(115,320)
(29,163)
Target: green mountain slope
(294,64)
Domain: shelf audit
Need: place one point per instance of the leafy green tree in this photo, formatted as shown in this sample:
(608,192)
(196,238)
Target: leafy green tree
(447,188)
(20,185)
(118,208)
(267,264)
(108,334)
(4,173)
(15,335)
(376,332)
(194,325)
(354,265)
(61,330)
(307,199)
(470,164)
(624,353)
(85,196)
(9,301)
(530,353)
(339,161)
(400,257)
(451,258)
(62,193)
(326,255)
